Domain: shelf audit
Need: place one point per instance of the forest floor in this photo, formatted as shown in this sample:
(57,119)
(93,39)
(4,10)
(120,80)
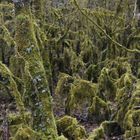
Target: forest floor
(7,106)
(59,112)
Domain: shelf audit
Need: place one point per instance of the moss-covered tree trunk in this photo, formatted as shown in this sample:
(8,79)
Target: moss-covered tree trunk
(36,84)
(138,5)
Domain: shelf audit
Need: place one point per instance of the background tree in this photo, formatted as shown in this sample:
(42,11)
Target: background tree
(83,55)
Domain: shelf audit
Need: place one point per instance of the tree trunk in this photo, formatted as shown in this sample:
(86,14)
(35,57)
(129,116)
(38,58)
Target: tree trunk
(37,88)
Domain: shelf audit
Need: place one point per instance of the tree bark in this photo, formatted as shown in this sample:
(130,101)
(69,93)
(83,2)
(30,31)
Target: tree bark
(37,89)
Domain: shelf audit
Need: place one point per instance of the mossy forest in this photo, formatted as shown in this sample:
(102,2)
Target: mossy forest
(69,69)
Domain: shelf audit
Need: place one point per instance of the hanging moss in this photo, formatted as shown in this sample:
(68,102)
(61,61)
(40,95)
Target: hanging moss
(70,128)
(131,121)
(81,90)
(38,8)
(112,128)
(106,130)
(67,60)
(92,73)
(123,68)
(124,95)
(76,64)
(88,51)
(97,134)
(64,84)
(126,80)
(113,73)
(123,102)
(7,10)
(107,87)
(8,81)
(90,44)
(18,130)
(99,110)
(6,45)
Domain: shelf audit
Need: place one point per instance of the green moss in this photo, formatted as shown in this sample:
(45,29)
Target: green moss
(126,80)
(80,90)
(1,133)
(125,96)
(113,73)
(132,119)
(70,128)
(92,73)
(122,107)
(138,72)
(128,121)
(65,122)
(37,87)
(77,65)
(97,134)
(73,53)
(62,138)
(127,134)
(26,133)
(99,110)
(64,84)
(133,133)
(135,99)
(8,81)
(6,39)
(7,11)
(38,8)
(78,133)
(88,51)
(107,129)
(107,87)
(13,129)
(112,128)
(128,97)
(15,119)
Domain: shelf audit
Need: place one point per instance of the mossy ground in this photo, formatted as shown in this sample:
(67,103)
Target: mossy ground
(73,67)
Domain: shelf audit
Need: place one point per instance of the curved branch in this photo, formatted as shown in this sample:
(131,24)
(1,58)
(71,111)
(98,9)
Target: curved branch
(104,32)
(5,72)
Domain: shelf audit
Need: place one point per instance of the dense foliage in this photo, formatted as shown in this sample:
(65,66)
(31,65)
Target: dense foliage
(69,69)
